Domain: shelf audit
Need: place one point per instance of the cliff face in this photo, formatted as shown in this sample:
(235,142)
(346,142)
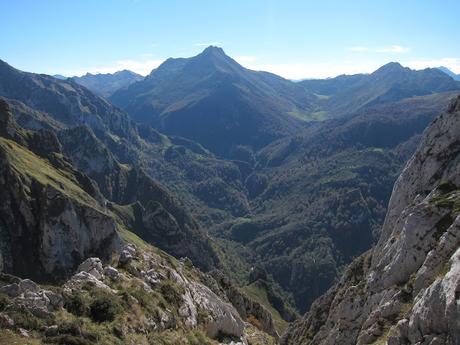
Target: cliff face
(406,290)
(51,216)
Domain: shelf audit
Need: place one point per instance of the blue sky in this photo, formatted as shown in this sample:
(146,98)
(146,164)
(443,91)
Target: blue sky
(293,38)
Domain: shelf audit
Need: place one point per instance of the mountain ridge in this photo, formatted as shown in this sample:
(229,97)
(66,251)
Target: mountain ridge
(212,93)
(105,84)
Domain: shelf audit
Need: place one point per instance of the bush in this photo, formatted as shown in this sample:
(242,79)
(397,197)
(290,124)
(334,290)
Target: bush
(24,318)
(69,340)
(4,300)
(171,293)
(76,304)
(104,307)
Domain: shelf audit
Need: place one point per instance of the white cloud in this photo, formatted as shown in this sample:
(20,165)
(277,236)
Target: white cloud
(298,71)
(207,44)
(393,49)
(451,63)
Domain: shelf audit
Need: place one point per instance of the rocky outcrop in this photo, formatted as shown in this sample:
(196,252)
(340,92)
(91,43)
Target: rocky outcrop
(147,296)
(246,307)
(406,289)
(26,294)
(48,210)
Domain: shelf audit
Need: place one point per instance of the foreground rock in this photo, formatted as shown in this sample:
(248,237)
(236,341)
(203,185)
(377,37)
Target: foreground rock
(405,290)
(151,298)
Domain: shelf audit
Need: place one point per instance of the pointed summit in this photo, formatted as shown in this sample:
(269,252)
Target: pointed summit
(214,50)
(213,59)
(391,67)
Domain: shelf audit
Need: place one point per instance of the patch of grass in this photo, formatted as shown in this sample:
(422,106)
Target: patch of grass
(322,97)
(24,318)
(130,237)
(377,149)
(31,166)
(8,337)
(258,294)
(315,116)
(449,200)
(171,292)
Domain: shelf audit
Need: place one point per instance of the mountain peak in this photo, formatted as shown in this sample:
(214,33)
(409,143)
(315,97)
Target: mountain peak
(214,50)
(449,72)
(391,67)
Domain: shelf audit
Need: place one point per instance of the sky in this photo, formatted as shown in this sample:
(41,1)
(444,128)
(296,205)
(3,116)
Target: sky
(296,39)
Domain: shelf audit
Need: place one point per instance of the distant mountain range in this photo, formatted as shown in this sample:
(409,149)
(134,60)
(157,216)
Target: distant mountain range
(392,82)
(106,84)
(213,100)
(449,73)
(234,111)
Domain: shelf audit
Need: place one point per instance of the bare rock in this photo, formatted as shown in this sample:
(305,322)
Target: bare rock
(6,321)
(111,272)
(80,279)
(92,266)
(23,332)
(11,290)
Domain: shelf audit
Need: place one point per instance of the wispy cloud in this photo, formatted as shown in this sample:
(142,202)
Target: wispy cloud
(207,44)
(393,49)
(298,71)
(451,63)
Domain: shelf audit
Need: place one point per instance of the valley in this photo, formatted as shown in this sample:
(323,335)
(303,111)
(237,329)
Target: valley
(242,190)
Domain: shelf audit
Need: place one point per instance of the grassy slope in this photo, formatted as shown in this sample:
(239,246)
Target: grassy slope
(31,167)
(257,293)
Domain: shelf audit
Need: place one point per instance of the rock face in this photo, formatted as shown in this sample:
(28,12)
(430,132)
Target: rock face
(245,306)
(48,210)
(406,289)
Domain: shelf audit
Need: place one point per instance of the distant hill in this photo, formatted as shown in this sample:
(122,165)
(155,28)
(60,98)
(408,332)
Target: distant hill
(391,82)
(449,73)
(212,99)
(59,76)
(106,84)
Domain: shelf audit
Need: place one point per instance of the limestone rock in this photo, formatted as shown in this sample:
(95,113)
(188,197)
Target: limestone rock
(80,279)
(6,321)
(111,272)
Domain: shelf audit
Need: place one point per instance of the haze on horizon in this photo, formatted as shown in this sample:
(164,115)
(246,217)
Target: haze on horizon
(294,39)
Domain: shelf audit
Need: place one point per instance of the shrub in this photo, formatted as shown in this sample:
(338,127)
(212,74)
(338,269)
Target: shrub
(4,300)
(104,307)
(76,304)
(171,293)
(67,339)
(25,319)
